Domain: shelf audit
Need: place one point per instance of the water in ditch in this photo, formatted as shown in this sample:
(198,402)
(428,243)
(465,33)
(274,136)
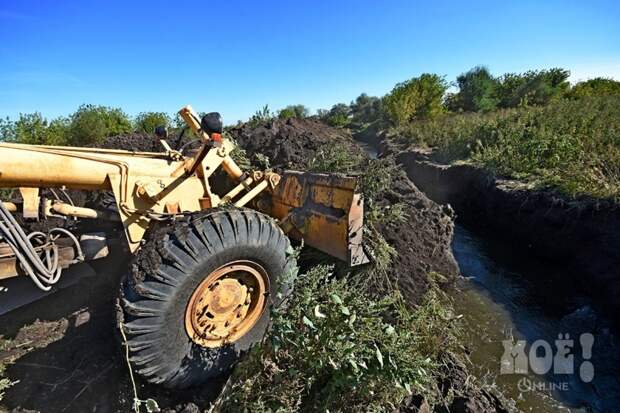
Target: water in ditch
(507,294)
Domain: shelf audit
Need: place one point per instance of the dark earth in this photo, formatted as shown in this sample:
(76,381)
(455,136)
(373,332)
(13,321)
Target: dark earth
(63,352)
(580,234)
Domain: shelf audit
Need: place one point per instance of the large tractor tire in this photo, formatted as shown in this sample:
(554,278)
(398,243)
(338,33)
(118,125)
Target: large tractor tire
(199,294)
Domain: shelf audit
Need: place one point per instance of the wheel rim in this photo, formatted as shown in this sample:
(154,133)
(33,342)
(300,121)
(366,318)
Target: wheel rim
(227,304)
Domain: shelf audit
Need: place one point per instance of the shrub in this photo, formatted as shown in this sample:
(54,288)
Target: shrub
(595,87)
(338,116)
(532,88)
(90,124)
(334,158)
(294,111)
(335,348)
(261,116)
(34,129)
(476,91)
(147,121)
(366,109)
(7,130)
(417,98)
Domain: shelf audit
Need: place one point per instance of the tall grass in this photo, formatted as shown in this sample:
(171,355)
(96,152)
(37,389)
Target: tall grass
(571,145)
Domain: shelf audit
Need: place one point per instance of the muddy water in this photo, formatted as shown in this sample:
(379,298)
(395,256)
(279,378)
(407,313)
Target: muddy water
(370,149)
(506,293)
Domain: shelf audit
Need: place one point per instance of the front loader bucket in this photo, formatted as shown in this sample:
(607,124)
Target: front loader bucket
(324,210)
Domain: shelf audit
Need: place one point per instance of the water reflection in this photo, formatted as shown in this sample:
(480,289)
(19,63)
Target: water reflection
(507,293)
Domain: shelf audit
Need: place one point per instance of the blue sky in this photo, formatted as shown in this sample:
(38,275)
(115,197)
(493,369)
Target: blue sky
(235,56)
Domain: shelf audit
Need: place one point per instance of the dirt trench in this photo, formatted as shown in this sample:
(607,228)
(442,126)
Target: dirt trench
(580,234)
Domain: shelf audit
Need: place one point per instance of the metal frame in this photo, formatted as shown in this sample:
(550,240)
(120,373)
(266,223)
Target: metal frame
(324,210)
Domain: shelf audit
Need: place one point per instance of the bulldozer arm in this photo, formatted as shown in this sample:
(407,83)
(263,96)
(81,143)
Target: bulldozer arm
(322,209)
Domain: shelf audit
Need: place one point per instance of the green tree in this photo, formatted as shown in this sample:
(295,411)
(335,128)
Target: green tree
(366,109)
(147,121)
(599,86)
(91,123)
(294,111)
(476,92)
(532,88)
(338,116)
(30,128)
(7,130)
(58,132)
(34,129)
(417,98)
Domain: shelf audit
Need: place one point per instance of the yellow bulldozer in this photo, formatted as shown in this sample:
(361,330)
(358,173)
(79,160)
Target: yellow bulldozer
(206,267)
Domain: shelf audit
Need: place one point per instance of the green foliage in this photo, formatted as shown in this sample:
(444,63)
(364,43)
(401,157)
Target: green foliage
(5,382)
(147,121)
(294,111)
(532,88)
(418,98)
(241,158)
(335,348)
(476,91)
(595,87)
(338,116)
(334,158)
(6,193)
(7,130)
(261,116)
(366,109)
(91,123)
(571,145)
(33,129)
(4,385)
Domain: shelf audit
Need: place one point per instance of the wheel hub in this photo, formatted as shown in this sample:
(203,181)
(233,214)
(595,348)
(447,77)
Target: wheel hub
(227,304)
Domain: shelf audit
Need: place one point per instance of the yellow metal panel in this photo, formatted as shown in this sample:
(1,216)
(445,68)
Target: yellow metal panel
(324,210)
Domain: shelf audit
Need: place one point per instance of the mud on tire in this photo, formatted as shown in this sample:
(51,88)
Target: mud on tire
(174,261)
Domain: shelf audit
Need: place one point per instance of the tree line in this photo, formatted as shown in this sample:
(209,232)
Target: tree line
(89,124)
(419,98)
(477,90)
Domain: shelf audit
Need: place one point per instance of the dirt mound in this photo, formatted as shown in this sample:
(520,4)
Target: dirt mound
(143,142)
(422,240)
(290,143)
(139,142)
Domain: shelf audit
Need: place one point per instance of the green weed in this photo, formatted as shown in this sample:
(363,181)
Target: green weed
(335,158)
(333,348)
(570,145)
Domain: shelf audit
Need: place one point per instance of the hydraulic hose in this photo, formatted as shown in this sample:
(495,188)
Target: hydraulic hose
(41,266)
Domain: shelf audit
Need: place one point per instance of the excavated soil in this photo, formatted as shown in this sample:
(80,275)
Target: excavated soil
(291,143)
(142,142)
(63,349)
(422,240)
